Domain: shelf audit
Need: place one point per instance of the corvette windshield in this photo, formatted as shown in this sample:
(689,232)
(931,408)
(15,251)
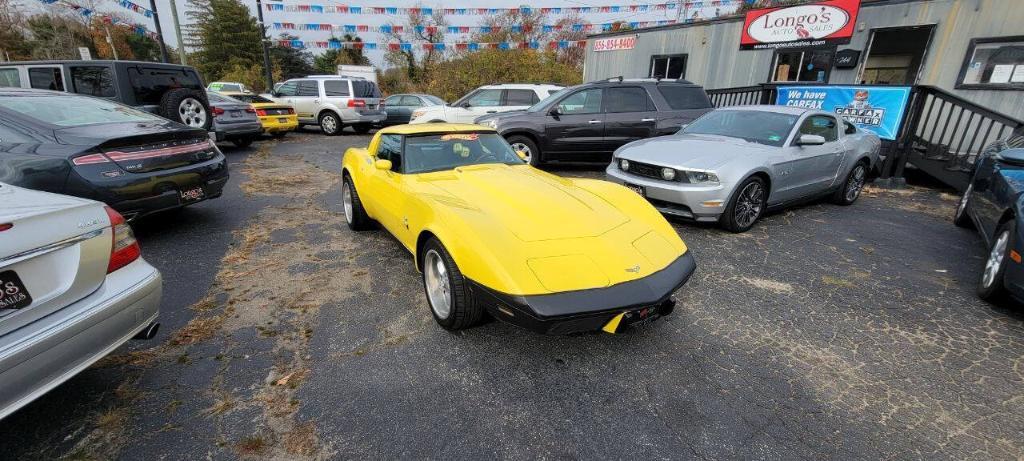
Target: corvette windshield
(769,128)
(447,151)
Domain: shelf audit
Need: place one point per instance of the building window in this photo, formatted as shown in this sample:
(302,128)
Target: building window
(994,63)
(802,65)
(670,66)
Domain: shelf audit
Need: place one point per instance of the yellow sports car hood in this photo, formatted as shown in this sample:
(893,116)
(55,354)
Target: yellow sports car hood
(531,204)
(527,232)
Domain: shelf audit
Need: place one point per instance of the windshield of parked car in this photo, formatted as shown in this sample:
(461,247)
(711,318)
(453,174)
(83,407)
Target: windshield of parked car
(447,151)
(762,127)
(68,110)
(250,98)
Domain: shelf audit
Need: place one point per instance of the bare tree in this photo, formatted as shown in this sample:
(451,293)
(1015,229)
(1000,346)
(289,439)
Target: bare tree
(417,30)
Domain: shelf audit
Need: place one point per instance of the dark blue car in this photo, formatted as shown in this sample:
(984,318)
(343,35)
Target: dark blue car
(994,204)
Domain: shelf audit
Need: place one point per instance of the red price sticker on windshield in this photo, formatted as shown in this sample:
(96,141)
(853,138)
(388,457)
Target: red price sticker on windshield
(460,137)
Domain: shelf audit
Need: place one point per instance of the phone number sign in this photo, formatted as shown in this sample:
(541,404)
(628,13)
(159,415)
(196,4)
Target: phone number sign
(615,43)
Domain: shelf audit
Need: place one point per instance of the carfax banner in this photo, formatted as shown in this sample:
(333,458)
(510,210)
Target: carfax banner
(878,109)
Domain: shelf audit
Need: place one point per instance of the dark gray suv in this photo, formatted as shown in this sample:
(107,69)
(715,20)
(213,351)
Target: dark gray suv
(588,122)
(171,91)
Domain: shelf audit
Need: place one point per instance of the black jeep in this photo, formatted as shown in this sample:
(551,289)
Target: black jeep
(172,91)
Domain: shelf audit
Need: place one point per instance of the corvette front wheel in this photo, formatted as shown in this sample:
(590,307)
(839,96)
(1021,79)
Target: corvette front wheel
(451,303)
(355,215)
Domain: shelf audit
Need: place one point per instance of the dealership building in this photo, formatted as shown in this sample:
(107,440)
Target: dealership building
(973,49)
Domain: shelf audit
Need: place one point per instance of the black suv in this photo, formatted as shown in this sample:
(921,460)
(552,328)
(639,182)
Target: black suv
(171,91)
(588,122)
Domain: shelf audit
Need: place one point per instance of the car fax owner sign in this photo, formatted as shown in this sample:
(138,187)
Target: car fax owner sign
(814,24)
(615,43)
(873,108)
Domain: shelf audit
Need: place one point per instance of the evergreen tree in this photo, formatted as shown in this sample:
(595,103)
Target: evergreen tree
(328,62)
(224,35)
(293,62)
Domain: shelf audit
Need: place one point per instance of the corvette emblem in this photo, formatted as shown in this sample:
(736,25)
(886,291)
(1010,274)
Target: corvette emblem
(633,269)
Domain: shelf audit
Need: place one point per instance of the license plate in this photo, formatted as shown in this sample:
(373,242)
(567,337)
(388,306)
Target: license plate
(635,188)
(13,294)
(640,316)
(234,113)
(193,194)
(282,120)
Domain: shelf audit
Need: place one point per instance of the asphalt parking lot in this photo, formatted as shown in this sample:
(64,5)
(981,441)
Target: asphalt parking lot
(825,332)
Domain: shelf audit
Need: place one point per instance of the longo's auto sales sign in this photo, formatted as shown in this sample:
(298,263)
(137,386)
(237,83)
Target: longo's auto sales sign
(615,43)
(813,24)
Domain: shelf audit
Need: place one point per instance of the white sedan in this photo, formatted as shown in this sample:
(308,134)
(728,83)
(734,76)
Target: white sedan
(73,288)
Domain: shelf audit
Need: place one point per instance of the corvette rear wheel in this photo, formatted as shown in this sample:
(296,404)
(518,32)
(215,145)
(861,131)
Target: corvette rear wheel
(355,215)
(451,303)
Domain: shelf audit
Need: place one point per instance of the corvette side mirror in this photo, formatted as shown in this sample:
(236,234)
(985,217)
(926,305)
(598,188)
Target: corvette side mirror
(382,164)
(810,140)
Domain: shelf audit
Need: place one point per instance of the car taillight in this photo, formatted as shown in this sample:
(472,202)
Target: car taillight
(291,111)
(261,112)
(217,111)
(90,159)
(250,110)
(356,103)
(125,248)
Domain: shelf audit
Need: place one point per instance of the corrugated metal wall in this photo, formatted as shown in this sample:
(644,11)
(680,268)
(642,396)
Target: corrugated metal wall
(715,60)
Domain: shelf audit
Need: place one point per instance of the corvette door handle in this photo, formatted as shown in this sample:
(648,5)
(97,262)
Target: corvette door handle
(647,120)
(594,122)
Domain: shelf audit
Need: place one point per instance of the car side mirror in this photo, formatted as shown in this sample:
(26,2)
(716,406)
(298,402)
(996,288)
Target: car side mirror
(465,105)
(275,94)
(382,164)
(555,112)
(521,154)
(683,126)
(810,140)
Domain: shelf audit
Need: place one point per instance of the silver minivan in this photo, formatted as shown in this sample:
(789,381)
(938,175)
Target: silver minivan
(333,102)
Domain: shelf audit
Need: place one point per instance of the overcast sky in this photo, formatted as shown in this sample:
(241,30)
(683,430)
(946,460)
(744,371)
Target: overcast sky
(377,56)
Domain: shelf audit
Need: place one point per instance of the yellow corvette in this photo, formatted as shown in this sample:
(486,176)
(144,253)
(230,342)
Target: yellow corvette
(492,234)
(275,118)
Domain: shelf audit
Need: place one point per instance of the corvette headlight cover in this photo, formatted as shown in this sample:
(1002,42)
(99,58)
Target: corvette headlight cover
(701,177)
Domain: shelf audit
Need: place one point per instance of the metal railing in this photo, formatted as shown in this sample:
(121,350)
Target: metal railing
(742,96)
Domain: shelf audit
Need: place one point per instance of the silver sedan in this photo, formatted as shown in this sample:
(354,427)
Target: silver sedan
(733,164)
(72,289)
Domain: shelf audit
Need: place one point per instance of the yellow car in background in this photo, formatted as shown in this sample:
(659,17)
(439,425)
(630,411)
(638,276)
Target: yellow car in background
(492,234)
(277,119)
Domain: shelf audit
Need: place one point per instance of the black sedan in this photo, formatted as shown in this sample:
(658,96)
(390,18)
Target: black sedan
(399,107)
(992,203)
(136,162)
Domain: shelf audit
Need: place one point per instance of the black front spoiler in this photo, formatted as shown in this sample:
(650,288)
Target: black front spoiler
(588,310)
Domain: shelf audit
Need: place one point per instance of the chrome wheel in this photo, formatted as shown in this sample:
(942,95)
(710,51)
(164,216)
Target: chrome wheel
(749,204)
(520,147)
(962,206)
(856,182)
(329,124)
(192,113)
(346,201)
(995,259)
(439,292)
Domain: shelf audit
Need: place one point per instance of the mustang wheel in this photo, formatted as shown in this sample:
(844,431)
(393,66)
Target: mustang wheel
(990,287)
(522,143)
(330,124)
(746,206)
(453,306)
(355,215)
(851,188)
(961,218)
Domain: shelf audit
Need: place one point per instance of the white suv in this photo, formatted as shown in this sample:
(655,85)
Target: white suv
(333,102)
(488,99)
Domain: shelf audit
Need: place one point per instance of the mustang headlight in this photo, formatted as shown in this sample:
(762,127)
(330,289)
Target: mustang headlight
(701,177)
(668,174)
(623,164)
(492,123)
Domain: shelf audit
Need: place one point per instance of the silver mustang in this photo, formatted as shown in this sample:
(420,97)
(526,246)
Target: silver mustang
(733,164)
